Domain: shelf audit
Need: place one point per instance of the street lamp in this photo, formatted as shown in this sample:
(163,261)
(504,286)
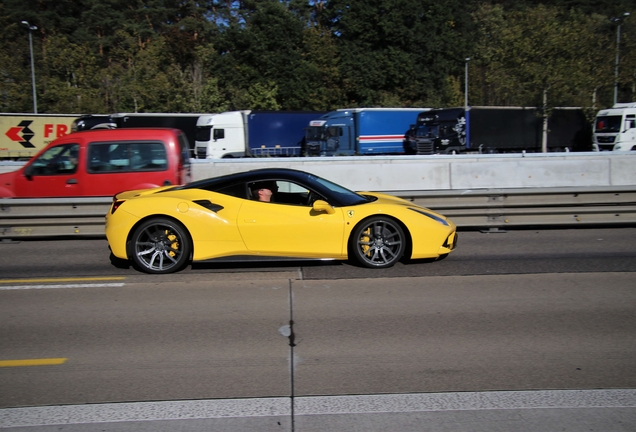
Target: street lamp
(619,21)
(466,84)
(466,108)
(31,29)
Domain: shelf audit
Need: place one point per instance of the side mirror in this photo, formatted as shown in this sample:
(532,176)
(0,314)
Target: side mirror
(28,171)
(323,206)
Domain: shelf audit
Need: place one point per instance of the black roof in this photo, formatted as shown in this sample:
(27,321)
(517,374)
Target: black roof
(338,195)
(252,175)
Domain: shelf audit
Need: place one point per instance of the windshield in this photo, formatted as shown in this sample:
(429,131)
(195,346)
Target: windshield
(203,133)
(344,196)
(608,124)
(315,133)
(427,131)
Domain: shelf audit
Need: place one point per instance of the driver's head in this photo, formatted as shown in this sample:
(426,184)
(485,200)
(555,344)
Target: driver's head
(264,190)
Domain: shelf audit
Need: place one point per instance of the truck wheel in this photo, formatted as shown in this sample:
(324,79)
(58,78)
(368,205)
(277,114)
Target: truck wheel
(160,246)
(378,242)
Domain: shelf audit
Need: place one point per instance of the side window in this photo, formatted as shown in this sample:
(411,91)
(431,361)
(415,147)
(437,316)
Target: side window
(630,121)
(334,131)
(58,160)
(219,134)
(285,192)
(99,158)
(236,190)
(148,157)
(184,148)
(109,157)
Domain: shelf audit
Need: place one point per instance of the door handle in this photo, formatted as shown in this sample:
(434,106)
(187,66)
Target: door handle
(71,181)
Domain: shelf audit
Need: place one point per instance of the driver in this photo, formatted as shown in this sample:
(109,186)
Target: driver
(263,191)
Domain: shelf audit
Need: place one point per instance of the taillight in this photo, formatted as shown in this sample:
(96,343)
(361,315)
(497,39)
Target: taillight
(116,204)
(184,173)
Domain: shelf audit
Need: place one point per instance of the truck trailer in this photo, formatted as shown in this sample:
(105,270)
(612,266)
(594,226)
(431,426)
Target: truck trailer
(360,131)
(615,128)
(23,135)
(498,130)
(249,133)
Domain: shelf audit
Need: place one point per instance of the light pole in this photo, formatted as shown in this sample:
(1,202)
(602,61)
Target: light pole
(466,108)
(466,84)
(31,29)
(619,21)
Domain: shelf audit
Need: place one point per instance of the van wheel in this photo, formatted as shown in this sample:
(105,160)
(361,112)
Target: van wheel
(160,246)
(378,242)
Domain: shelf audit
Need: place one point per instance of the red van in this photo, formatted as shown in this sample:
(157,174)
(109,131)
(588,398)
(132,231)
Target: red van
(102,162)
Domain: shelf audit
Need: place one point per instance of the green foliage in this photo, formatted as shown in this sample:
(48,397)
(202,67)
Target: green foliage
(210,56)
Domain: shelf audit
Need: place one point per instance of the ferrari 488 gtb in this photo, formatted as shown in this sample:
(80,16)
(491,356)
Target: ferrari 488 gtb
(161,230)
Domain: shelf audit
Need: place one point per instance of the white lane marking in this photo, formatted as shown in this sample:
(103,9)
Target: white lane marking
(315,405)
(86,285)
(144,411)
(465,401)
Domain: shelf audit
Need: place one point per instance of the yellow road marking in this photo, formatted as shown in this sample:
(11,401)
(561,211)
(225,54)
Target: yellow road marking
(32,362)
(84,279)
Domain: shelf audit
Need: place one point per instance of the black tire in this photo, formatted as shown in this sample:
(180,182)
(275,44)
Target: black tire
(160,246)
(378,242)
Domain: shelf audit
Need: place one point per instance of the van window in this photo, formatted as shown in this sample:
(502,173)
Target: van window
(60,159)
(184,150)
(126,156)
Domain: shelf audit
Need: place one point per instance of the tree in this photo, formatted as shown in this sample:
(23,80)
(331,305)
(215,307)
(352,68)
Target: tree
(521,56)
(70,78)
(398,51)
(217,55)
(263,48)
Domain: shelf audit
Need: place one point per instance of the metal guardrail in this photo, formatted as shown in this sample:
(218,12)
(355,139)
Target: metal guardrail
(484,209)
(501,208)
(52,217)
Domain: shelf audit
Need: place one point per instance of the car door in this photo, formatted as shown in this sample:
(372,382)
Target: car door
(55,173)
(291,229)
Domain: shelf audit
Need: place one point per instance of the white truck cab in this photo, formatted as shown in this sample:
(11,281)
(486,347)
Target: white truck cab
(615,128)
(221,135)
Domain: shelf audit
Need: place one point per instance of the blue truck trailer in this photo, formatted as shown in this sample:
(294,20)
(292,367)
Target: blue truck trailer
(360,131)
(252,133)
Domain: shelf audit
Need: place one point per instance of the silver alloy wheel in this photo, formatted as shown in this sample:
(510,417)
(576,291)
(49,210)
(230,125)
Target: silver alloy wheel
(160,246)
(378,242)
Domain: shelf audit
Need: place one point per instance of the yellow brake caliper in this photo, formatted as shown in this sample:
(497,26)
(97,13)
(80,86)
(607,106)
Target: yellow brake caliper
(174,245)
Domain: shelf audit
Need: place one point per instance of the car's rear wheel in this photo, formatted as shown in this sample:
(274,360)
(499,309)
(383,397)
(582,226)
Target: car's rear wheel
(160,245)
(378,242)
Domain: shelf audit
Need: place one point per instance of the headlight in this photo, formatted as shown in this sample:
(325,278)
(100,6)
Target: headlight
(430,215)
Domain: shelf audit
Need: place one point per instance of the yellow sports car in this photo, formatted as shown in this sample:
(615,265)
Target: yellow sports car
(271,213)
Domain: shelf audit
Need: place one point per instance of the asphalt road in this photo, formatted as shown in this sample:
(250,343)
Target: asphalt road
(511,252)
(506,312)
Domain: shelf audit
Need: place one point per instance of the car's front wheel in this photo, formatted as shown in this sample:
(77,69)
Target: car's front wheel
(378,242)
(160,245)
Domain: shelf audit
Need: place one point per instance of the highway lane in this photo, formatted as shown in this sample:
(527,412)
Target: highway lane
(226,338)
(514,251)
(548,309)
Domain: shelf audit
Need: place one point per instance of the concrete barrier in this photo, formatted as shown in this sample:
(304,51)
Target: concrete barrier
(450,172)
(443,172)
